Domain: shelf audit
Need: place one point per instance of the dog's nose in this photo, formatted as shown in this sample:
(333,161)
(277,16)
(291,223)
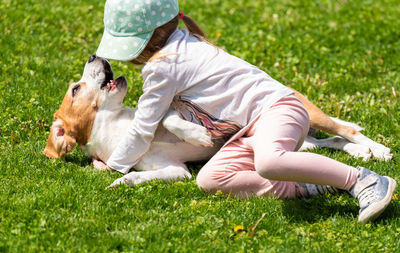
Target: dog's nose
(92,58)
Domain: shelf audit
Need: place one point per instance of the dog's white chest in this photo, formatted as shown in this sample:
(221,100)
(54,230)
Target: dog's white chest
(108,129)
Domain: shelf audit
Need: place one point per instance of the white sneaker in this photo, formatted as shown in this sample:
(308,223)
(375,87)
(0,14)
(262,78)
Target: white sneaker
(374,193)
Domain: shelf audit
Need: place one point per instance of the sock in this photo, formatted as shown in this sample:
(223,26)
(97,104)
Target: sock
(312,190)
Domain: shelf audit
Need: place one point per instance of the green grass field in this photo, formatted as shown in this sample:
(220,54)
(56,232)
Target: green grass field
(344,55)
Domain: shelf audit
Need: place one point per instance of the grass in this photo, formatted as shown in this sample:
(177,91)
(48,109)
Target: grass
(344,55)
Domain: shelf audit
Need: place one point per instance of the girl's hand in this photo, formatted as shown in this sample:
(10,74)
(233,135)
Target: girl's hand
(100,165)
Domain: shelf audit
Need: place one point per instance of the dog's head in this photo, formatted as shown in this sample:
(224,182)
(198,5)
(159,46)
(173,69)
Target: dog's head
(97,90)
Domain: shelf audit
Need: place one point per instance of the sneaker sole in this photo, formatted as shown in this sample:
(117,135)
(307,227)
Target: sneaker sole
(374,210)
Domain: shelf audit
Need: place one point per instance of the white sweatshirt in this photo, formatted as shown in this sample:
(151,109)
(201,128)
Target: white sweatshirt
(206,85)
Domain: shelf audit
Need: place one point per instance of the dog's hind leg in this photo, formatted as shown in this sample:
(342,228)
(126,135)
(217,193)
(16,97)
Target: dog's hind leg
(319,120)
(338,143)
(379,151)
(350,131)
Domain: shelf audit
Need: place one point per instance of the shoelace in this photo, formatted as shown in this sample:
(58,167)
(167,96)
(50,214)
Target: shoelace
(367,195)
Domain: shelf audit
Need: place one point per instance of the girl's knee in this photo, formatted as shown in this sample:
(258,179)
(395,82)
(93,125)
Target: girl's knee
(268,166)
(201,180)
(213,179)
(205,181)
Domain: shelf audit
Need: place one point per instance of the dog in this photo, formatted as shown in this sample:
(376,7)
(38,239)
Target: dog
(92,115)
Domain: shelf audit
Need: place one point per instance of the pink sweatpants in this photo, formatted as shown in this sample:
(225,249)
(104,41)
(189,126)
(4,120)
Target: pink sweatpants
(264,160)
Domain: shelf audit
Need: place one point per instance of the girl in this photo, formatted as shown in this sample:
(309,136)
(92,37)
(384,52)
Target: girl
(264,122)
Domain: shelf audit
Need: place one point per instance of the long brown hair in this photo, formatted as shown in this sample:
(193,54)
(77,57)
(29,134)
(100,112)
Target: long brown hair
(161,35)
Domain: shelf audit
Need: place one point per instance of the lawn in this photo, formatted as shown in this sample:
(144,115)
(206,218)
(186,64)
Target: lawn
(344,55)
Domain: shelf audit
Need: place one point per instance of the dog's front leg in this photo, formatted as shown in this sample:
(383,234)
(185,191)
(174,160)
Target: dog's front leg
(186,130)
(338,143)
(171,172)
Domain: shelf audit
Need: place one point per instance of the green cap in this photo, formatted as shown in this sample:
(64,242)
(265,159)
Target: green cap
(129,25)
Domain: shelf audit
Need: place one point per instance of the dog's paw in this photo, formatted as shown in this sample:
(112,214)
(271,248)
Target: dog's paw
(357,150)
(378,151)
(129,179)
(117,183)
(381,152)
(198,136)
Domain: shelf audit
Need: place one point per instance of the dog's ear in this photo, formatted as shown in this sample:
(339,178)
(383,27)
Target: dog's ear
(59,142)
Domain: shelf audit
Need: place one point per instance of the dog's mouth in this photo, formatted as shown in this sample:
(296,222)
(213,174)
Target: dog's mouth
(109,84)
(109,74)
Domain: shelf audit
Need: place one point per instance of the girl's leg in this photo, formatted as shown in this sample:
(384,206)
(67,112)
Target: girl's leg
(269,146)
(275,137)
(232,171)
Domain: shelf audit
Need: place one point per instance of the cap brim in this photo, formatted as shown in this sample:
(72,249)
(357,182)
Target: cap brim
(122,48)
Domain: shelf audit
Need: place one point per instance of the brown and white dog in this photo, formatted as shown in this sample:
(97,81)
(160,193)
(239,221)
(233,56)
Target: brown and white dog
(92,115)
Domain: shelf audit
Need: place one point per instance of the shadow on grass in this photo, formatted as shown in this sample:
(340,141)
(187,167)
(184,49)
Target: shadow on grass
(391,212)
(78,158)
(317,208)
(309,210)
(324,207)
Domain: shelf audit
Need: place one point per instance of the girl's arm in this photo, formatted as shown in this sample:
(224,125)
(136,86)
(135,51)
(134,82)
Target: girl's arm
(158,93)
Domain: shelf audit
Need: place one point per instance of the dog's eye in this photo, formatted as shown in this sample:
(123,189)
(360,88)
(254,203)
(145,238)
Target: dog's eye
(75,90)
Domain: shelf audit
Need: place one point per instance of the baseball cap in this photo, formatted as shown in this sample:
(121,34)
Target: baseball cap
(129,25)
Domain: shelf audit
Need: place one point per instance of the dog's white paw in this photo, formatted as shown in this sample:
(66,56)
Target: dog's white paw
(129,179)
(357,150)
(116,183)
(381,152)
(198,136)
